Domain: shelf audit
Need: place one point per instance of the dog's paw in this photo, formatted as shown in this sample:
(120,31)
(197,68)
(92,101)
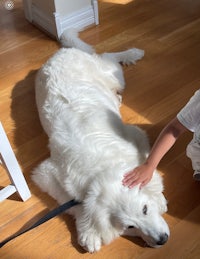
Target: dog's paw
(90,241)
(132,56)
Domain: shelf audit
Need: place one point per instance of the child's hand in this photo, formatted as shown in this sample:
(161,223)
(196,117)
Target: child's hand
(140,175)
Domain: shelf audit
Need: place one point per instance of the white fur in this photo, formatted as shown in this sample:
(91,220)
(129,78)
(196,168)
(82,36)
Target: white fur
(91,148)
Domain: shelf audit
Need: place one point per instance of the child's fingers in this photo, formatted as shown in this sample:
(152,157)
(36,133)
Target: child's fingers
(129,174)
(129,178)
(131,185)
(131,181)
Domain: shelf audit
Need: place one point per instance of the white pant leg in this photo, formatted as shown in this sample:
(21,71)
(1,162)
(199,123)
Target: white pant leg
(193,152)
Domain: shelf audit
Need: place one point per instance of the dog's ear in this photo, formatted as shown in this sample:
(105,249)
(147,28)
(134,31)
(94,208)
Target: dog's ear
(156,184)
(162,203)
(154,189)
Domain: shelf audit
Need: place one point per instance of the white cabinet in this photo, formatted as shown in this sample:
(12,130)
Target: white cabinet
(54,16)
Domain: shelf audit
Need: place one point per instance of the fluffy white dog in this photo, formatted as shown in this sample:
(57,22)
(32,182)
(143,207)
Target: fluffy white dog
(77,95)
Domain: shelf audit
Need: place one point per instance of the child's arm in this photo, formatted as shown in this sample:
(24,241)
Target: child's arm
(143,173)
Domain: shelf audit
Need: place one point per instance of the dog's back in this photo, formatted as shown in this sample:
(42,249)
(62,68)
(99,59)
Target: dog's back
(73,80)
(76,95)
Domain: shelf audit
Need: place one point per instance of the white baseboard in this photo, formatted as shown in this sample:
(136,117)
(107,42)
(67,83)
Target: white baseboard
(79,19)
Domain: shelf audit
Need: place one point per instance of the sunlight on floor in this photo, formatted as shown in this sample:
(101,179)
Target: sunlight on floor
(131,116)
(118,1)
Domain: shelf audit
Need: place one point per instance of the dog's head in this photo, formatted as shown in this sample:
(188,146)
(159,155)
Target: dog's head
(139,213)
(116,210)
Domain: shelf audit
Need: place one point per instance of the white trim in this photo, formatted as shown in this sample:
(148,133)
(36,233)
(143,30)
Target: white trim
(79,19)
(96,11)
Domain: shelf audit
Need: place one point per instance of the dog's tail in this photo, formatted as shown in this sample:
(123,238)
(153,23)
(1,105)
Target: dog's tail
(70,39)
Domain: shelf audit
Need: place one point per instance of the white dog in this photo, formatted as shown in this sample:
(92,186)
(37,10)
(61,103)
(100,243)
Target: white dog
(91,148)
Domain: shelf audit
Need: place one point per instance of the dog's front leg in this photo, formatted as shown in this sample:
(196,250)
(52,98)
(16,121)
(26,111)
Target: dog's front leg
(94,225)
(88,236)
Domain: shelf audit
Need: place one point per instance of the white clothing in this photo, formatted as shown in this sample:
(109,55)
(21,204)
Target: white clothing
(189,116)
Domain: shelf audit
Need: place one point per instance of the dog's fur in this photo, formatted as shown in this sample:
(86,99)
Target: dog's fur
(77,95)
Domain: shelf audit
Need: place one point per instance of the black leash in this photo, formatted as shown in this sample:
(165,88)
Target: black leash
(47,217)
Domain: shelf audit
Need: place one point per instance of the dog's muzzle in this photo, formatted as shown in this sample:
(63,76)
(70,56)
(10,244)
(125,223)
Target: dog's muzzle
(163,239)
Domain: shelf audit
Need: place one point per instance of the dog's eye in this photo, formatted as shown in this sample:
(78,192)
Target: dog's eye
(131,227)
(145,209)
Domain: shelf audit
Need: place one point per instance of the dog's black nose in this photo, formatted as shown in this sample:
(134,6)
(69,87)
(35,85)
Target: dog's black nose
(163,239)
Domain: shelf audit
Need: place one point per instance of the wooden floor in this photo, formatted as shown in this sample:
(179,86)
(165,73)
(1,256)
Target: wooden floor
(157,87)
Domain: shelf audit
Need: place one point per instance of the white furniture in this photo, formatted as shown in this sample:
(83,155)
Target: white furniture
(9,161)
(54,16)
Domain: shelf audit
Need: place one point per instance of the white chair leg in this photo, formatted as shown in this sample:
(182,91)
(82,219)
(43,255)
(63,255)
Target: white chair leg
(15,174)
